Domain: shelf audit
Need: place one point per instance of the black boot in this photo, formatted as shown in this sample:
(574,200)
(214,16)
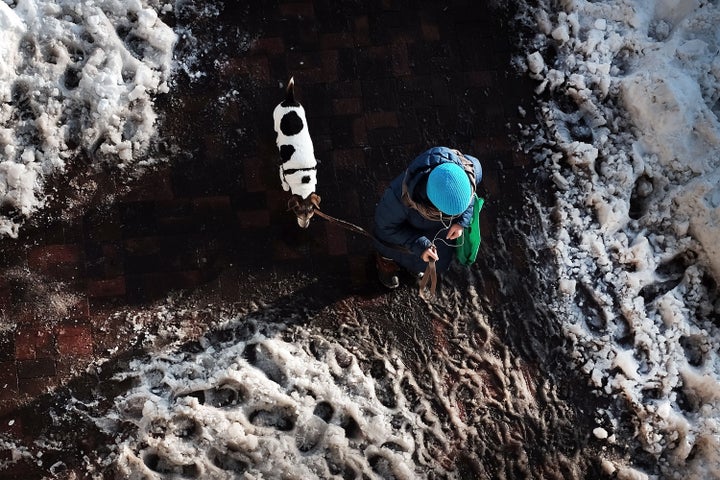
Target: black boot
(388,271)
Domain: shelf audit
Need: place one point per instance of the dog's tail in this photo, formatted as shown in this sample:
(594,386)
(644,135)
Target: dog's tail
(290,95)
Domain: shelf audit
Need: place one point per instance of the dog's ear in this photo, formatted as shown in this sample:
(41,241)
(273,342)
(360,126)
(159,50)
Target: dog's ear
(293,202)
(315,199)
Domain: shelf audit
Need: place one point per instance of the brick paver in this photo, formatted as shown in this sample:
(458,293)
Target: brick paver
(381,81)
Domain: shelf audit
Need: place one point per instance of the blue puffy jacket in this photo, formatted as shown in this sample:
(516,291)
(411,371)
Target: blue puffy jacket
(403,232)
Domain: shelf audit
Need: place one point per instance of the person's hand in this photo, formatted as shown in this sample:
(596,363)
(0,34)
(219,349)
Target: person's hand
(430,254)
(454,231)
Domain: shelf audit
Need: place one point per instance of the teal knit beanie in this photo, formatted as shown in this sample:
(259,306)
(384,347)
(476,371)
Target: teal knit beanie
(448,188)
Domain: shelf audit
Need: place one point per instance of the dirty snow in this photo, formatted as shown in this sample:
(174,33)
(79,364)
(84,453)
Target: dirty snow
(77,79)
(266,408)
(263,397)
(627,130)
(629,101)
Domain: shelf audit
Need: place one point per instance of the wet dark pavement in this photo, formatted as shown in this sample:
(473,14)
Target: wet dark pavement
(381,81)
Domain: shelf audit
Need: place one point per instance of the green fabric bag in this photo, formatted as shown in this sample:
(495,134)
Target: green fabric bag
(468,249)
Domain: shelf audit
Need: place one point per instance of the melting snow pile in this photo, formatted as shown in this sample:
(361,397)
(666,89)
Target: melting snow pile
(265,408)
(630,95)
(74,76)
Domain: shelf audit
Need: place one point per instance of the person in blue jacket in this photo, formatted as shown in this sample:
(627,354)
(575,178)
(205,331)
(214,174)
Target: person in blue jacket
(423,211)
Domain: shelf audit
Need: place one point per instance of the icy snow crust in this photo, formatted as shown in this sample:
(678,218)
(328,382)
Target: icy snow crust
(630,109)
(265,408)
(75,76)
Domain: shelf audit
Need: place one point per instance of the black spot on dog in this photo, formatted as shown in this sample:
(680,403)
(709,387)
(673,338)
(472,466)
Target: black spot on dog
(291,124)
(286,152)
(293,171)
(306,179)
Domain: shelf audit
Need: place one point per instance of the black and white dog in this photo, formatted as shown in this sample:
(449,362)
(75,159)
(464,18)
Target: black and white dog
(298,171)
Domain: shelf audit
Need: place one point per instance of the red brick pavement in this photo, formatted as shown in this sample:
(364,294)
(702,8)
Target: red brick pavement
(380,81)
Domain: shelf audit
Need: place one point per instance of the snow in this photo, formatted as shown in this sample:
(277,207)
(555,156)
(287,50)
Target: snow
(306,404)
(76,78)
(629,109)
(627,131)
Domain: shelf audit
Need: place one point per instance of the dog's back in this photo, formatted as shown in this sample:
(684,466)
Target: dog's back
(298,168)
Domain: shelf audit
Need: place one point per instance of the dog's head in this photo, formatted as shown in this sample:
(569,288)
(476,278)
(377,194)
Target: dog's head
(304,208)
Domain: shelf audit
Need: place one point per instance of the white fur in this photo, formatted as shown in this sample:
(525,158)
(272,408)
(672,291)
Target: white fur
(303,157)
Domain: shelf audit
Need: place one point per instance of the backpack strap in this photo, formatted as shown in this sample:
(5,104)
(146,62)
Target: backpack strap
(468,167)
(430,212)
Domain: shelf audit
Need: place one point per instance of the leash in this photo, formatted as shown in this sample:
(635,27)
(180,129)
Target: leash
(357,229)
(345,224)
(430,275)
